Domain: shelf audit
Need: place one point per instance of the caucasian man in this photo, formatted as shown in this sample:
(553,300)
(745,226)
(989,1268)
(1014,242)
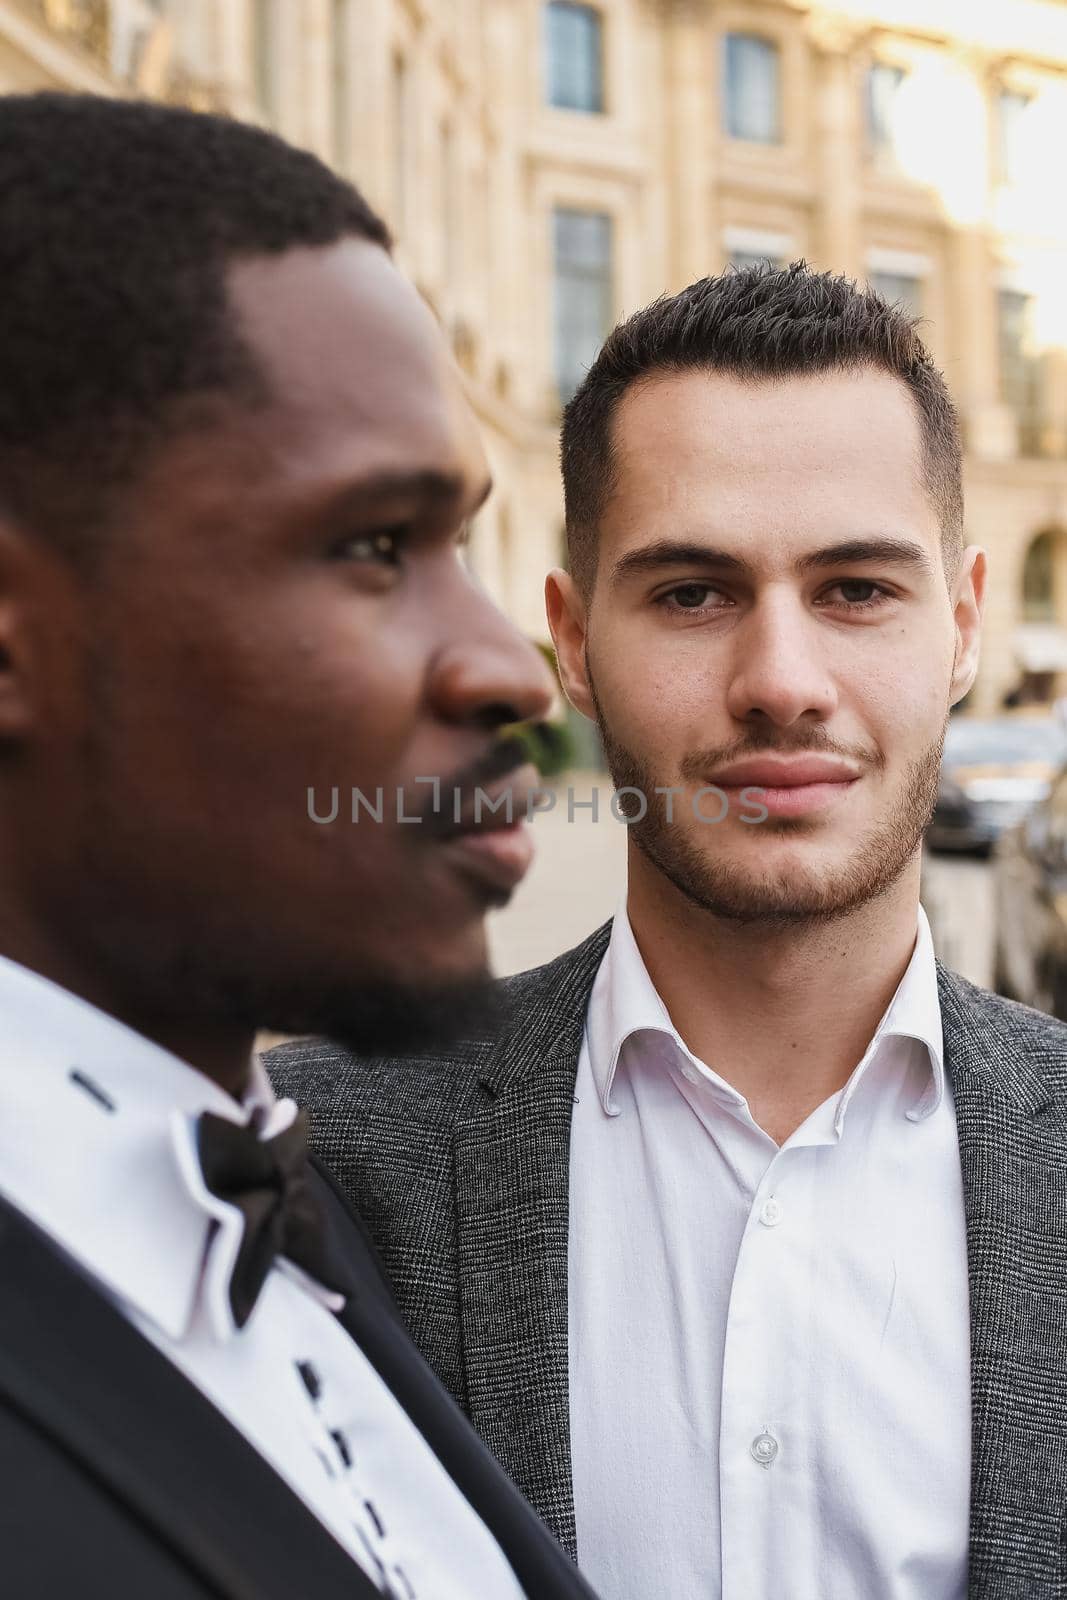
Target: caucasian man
(747,1245)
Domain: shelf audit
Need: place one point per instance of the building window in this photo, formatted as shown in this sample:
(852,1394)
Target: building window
(584,297)
(264,56)
(1011,136)
(751,89)
(401,131)
(757,247)
(450,208)
(899,288)
(574,56)
(1038,597)
(1020,368)
(884,83)
(342,86)
(752,258)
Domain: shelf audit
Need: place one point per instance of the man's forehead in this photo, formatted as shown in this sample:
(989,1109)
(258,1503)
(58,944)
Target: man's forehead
(767,475)
(712,413)
(354,360)
(827,436)
(336,324)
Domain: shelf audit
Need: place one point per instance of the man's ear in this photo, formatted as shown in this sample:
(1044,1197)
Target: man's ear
(968,601)
(567,622)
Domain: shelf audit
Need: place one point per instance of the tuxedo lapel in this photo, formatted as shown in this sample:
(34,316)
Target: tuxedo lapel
(537,1561)
(1011,1112)
(73,1366)
(511,1155)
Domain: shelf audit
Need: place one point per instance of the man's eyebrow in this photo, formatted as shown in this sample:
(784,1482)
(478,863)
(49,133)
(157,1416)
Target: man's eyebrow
(675,553)
(860,552)
(429,484)
(678,553)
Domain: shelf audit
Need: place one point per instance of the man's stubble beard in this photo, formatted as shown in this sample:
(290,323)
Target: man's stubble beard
(208,960)
(724,888)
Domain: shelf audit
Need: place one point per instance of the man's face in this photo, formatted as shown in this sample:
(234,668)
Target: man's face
(285,610)
(771,611)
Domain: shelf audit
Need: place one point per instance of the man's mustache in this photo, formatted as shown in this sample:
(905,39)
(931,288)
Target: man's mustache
(504,756)
(767,742)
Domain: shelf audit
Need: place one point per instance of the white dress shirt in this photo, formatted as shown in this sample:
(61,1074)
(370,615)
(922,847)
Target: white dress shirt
(97,1147)
(769,1347)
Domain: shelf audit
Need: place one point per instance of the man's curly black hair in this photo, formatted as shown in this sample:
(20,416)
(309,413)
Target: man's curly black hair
(118,221)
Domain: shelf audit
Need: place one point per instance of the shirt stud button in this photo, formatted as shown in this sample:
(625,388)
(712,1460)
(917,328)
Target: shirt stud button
(771,1213)
(310,1378)
(764,1448)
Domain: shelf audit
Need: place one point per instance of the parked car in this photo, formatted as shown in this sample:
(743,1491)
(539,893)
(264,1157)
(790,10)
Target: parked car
(993,773)
(1030,907)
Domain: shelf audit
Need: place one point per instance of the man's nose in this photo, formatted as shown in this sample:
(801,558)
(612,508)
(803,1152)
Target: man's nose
(779,672)
(486,673)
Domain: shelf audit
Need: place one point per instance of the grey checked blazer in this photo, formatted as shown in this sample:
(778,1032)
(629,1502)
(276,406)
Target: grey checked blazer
(459,1165)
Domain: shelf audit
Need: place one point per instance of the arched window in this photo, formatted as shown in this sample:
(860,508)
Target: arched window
(1038,598)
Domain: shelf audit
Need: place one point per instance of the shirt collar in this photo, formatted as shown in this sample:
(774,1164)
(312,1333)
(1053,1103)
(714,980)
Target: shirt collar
(97,1145)
(625,1002)
(913,1013)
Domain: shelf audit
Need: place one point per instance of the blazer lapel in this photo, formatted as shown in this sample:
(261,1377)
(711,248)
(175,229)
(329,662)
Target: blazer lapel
(73,1365)
(1012,1126)
(512,1153)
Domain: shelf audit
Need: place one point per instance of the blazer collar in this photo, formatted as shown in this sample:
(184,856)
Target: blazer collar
(546,1012)
(511,1153)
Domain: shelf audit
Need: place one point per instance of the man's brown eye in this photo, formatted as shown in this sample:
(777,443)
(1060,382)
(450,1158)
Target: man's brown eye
(382,547)
(859,592)
(690,596)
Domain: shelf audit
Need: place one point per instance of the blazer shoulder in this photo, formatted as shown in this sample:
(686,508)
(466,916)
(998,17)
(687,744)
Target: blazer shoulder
(988,1029)
(576,967)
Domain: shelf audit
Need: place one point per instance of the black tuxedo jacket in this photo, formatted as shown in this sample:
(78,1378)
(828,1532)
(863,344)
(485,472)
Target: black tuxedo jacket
(120,1480)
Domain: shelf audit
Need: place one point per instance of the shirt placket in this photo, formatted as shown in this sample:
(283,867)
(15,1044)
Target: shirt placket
(758,1443)
(337,1452)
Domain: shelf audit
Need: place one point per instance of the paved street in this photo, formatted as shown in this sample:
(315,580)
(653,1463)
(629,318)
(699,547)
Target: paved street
(573,885)
(580,868)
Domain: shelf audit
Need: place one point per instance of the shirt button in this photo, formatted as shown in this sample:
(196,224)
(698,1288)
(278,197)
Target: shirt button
(310,1378)
(771,1213)
(690,1074)
(764,1448)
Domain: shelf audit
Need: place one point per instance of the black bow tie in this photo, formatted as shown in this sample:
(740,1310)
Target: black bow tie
(267,1180)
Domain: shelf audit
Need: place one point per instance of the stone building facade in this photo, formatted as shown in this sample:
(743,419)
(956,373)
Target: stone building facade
(548,166)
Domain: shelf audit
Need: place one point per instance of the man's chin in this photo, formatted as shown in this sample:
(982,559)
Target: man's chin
(798,885)
(398,1018)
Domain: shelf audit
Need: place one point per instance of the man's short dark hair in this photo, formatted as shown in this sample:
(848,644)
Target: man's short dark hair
(756,322)
(118,221)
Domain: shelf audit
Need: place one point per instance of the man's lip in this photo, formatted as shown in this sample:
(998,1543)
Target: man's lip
(766,772)
(477,815)
(499,856)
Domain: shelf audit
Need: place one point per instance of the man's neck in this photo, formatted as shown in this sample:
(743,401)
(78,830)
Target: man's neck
(222,1052)
(783,1015)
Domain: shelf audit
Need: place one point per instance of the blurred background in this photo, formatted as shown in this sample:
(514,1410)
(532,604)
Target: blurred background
(549,166)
